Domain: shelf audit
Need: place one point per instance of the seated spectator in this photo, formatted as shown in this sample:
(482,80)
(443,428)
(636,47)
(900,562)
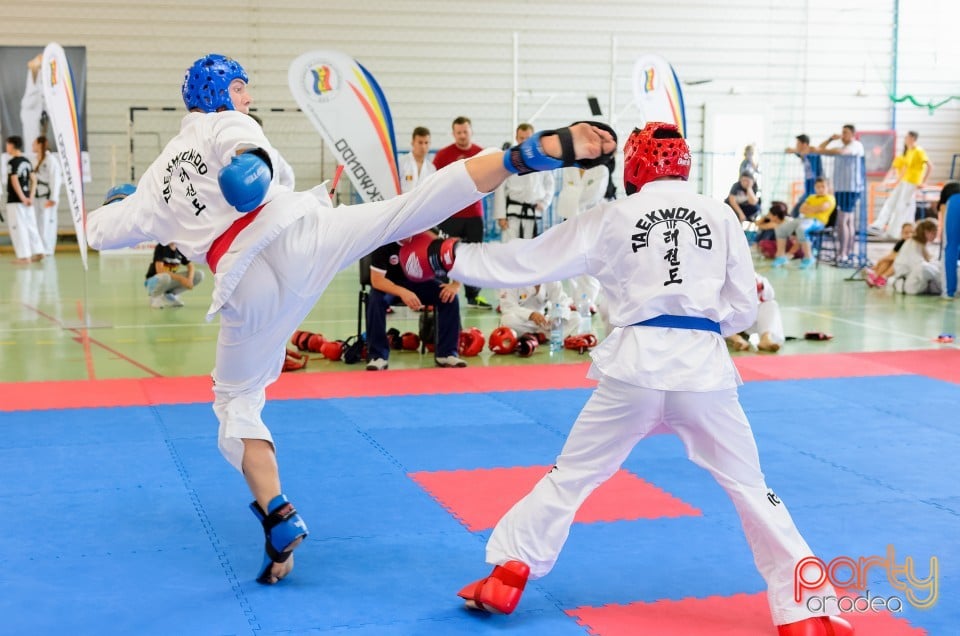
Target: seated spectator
(878,274)
(165,279)
(769,324)
(526,310)
(744,198)
(914,265)
(388,282)
(767,225)
(814,216)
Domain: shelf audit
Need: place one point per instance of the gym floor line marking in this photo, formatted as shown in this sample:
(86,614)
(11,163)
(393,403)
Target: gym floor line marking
(863,324)
(82,336)
(7,330)
(85,340)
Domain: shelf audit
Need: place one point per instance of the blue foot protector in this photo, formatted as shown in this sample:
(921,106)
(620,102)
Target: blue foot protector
(281,527)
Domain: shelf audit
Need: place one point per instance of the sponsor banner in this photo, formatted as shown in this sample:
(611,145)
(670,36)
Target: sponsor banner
(657,93)
(347,107)
(61,107)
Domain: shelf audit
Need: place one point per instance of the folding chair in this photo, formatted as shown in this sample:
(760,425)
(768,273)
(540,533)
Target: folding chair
(819,239)
(364,292)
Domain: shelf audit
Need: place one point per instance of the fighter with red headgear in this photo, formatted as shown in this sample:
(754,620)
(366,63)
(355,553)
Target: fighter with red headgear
(678,276)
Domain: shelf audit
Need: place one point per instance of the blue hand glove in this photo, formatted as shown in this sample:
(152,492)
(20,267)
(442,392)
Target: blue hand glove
(529,156)
(245,181)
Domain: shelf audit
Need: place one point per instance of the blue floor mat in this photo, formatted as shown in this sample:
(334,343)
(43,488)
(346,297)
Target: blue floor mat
(137,525)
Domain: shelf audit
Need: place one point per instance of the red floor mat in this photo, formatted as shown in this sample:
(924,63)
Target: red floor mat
(478,498)
(737,615)
(810,366)
(942,364)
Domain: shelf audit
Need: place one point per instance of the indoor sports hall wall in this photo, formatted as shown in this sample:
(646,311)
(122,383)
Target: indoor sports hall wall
(803,65)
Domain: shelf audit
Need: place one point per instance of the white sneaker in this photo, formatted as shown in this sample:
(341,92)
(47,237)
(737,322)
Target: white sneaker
(158,302)
(377,365)
(173,300)
(450,362)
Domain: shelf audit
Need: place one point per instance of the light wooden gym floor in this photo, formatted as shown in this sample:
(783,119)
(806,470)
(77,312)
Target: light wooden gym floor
(41,306)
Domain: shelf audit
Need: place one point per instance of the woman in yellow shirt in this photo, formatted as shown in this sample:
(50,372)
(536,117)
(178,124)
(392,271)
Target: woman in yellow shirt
(814,216)
(911,170)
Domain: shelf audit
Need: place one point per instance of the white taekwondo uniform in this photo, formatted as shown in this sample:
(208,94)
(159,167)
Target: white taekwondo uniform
(49,177)
(659,254)
(919,275)
(410,176)
(271,265)
(516,200)
(516,305)
(582,190)
(769,319)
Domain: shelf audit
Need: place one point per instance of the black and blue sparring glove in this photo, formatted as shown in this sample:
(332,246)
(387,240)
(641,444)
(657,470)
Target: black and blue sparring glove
(245,180)
(529,156)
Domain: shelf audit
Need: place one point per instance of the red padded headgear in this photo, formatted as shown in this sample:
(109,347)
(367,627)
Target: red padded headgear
(332,349)
(409,341)
(503,340)
(470,343)
(299,339)
(656,151)
(315,342)
(581,343)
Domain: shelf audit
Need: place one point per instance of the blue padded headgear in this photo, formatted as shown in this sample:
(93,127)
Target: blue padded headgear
(206,83)
(119,192)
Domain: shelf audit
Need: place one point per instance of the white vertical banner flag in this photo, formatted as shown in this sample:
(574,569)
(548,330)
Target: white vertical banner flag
(657,93)
(61,106)
(347,107)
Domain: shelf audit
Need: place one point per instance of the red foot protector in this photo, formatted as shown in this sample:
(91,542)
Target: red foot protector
(478,498)
(737,615)
(500,592)
(819,626)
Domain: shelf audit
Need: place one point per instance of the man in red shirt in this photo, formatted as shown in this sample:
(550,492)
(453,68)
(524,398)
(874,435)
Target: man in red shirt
(467,224)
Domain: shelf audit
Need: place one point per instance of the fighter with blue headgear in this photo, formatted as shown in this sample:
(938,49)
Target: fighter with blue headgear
(272,263)
(206,87)
(118,193)
(206,84)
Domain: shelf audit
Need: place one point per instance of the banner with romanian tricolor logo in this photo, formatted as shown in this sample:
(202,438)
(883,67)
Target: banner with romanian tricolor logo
(61,106)
(657,93)
(347,107)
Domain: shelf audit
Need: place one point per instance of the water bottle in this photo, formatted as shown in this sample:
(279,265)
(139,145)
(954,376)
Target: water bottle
(556,330)
(586,318)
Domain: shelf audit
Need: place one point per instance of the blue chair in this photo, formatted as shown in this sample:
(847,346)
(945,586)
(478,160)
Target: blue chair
(826,241)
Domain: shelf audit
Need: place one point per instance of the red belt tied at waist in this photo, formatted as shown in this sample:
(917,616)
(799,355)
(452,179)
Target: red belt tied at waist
(223,242)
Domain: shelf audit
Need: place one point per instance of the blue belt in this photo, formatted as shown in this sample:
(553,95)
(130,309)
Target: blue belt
(680,322)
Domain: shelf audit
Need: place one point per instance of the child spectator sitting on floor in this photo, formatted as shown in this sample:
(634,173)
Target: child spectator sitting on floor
(878,274)
(920,274)
(767,225)
(769,323)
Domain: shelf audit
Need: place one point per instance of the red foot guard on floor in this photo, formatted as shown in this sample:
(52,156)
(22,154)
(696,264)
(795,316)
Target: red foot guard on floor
(500,592)
(817,626)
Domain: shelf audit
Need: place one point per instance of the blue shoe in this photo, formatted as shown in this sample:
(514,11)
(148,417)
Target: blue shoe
(151,285)
(779,261)
(284,530)
(807,263)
